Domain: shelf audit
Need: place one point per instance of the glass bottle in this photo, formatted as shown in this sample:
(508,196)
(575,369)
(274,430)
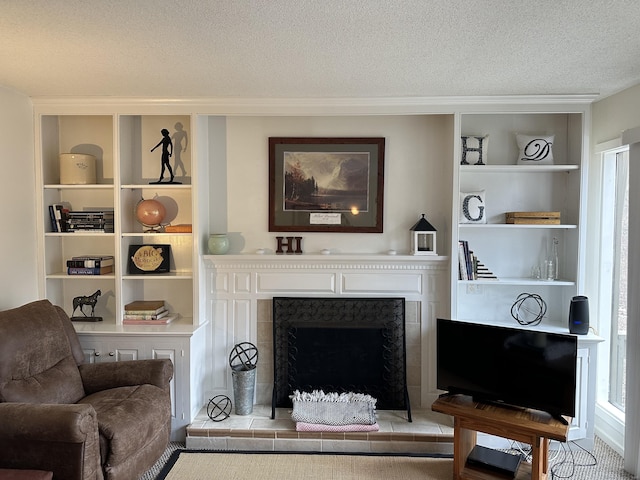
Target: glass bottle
(551,264)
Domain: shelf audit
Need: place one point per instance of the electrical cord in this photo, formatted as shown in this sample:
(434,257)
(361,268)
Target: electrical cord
(522,308)
(566,467)
(555,469)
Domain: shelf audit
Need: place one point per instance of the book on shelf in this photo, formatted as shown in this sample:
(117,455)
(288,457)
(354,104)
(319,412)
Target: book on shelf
(135,315)
(89,270)
(465,259)
(90,220)
(91,213)
(162,321)
(58,213)
(180,228)
(145,307)
(469,267)
(462,262)
(55,227)
(91,261)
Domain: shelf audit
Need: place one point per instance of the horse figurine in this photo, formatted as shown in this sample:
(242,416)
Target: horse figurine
(81,301)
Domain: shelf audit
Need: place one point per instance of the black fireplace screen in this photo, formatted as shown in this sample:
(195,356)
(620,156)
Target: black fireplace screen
(340,345)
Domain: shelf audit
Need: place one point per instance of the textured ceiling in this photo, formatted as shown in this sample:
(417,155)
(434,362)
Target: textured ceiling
(318,48)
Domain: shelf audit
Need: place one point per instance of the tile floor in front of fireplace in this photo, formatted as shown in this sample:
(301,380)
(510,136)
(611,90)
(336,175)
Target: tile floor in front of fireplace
(429,432)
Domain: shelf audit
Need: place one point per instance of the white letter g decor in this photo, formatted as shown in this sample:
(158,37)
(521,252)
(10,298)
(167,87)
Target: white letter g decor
(472,207)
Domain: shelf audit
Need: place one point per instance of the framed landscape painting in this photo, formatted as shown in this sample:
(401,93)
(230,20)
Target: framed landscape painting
(326,184)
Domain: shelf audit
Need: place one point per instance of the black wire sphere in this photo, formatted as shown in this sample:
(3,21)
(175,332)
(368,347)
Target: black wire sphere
(243,356)
(529,309)
(219,408)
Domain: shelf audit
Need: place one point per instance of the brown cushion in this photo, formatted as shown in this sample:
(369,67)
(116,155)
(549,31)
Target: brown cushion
(127,418)
(74,341)
(13,474)
(36,361)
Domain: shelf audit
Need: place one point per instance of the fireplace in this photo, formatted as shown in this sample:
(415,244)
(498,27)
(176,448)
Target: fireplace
(340,345)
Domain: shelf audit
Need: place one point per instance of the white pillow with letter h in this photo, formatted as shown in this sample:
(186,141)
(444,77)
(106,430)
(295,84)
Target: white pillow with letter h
(474,149)
(472,207)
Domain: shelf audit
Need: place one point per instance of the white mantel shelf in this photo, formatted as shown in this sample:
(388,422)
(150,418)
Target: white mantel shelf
(267,275)
(347,260)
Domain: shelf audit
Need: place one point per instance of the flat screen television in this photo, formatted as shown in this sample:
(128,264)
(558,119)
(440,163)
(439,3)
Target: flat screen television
(514,366)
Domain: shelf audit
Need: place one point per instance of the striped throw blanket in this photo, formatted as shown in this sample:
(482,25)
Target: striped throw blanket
(333,408)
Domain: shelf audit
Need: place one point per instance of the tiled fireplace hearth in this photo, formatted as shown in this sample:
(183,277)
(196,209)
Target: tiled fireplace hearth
(240,289)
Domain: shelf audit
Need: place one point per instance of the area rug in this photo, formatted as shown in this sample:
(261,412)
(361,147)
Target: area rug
(204,465)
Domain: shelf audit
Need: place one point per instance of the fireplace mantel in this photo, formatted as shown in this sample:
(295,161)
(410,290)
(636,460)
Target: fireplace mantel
(409,262)
(239,285)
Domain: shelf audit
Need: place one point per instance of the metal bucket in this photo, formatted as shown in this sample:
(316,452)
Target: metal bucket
(244,382)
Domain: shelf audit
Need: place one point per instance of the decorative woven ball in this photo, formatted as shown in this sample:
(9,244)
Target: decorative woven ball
(219,408)
(150,212)
(243,356)
(529,309)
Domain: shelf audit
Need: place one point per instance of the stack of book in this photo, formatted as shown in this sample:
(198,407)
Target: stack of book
(58,214)
(96,221)
(470,268)
(90,265)
(147,312)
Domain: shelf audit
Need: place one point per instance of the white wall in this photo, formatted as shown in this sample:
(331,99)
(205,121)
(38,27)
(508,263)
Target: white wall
(18,232)
(614,114)
(418,179)
(610,117)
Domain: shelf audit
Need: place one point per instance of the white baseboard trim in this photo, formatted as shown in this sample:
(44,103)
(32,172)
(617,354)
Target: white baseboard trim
(609,426)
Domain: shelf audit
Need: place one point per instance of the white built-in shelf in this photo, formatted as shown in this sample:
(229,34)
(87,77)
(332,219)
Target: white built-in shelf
(156,234)
(79,234)
(517,168)
(518,281)
(169,186)
(91,186)
(181,326)
(64,276)
(175,275)
(508,226)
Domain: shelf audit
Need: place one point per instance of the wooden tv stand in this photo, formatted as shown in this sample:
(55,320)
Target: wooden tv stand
(521,424)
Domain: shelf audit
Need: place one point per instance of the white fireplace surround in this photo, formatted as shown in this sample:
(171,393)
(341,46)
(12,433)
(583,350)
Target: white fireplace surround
(240,289)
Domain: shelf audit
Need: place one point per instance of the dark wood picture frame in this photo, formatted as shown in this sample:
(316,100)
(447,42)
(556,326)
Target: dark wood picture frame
(326,184)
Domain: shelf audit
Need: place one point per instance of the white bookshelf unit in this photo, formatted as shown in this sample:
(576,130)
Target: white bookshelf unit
(226,187)
(515,253)
(125,166)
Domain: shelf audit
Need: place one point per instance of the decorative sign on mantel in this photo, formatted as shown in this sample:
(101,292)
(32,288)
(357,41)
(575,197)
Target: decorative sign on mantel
(290,245)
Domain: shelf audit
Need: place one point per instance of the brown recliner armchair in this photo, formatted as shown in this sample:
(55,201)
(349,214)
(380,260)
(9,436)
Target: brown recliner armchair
(80,421)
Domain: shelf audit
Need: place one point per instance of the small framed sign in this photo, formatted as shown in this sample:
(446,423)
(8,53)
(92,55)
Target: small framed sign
(149,258)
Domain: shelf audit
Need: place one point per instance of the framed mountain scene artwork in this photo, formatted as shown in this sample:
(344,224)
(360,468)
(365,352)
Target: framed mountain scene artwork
(326,184)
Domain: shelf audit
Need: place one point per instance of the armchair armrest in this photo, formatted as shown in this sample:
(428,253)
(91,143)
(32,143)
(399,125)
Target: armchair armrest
(62,438)
(102,376)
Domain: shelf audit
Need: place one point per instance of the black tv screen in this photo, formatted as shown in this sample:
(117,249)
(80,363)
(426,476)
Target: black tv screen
(515,366)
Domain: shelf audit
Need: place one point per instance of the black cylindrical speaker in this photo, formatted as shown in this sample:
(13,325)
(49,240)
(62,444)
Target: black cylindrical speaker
(579,315)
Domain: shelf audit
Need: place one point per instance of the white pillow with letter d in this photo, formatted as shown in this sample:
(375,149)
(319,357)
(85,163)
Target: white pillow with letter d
(535,149)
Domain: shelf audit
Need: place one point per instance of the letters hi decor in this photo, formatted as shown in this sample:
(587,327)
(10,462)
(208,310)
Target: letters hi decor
(291,245)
